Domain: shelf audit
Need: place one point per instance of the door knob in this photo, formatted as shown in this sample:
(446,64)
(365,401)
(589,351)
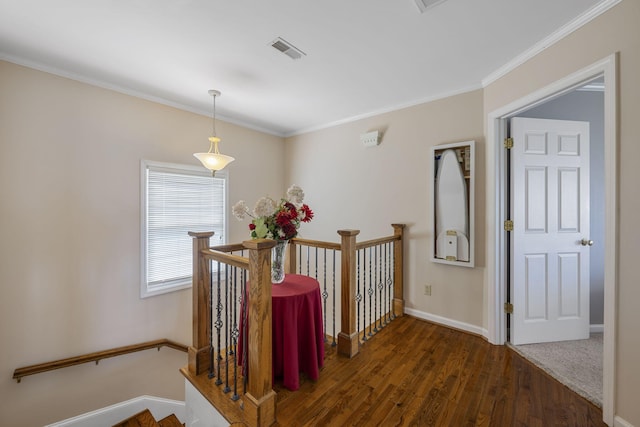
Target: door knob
(585,242)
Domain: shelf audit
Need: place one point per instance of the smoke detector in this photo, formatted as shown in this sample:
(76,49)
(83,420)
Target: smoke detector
(287,48)
(423,5)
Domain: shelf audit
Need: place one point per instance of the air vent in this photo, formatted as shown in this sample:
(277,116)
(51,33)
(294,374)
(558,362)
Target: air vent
(423,5)
(287,48)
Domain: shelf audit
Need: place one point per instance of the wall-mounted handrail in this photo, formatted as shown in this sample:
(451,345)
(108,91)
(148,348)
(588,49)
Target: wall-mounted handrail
(19,373)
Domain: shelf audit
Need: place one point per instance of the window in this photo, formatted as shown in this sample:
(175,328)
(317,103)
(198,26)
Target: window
(176,199)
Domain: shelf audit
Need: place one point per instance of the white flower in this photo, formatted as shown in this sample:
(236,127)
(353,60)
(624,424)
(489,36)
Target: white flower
(264,207)
(240,210)
(295,194)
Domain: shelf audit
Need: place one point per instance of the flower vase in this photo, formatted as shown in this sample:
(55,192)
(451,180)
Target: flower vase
(277,261)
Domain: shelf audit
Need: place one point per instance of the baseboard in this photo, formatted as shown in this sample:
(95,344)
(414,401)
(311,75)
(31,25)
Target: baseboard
(455,324)
(619,422)
(596,329)
(113,414)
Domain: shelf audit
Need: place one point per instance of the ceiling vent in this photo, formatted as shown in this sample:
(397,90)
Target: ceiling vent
(287,48)
(423,5)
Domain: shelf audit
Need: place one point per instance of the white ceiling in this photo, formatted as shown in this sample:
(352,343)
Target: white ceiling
(362,56)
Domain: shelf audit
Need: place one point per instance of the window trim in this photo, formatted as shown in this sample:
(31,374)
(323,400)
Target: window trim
(145,292)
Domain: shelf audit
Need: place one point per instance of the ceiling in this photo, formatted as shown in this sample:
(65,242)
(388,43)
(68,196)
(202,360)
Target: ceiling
(363,57)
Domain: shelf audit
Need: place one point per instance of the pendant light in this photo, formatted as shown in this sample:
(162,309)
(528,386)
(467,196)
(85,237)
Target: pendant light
(213,160)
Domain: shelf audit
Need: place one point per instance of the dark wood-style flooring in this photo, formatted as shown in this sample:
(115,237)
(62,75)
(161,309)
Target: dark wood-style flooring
(416,373)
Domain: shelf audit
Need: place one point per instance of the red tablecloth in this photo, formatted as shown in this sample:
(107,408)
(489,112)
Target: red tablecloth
(298,338)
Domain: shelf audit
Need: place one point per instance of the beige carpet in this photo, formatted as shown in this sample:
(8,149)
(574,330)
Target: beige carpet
(576,364)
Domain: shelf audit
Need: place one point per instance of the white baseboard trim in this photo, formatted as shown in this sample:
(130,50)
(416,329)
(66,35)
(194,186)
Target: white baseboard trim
(113,414)
(619,422)
(455,324)
(596,329)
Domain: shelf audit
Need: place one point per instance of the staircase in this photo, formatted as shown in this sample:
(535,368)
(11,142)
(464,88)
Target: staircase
(146,419)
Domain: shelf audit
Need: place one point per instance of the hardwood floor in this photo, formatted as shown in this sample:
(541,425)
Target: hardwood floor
(415,373)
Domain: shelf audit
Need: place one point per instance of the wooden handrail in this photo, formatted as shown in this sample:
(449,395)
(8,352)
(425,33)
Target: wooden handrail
(233,247)
(95,357)
(225,258)
(376,242)
(316,243)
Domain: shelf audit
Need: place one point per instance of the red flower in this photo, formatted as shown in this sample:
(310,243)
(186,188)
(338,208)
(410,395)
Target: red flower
(308,213)
(290,210)
(289,230)
(252,226)
(283,218)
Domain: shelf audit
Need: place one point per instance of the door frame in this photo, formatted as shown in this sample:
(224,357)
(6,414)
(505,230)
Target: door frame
(496,271)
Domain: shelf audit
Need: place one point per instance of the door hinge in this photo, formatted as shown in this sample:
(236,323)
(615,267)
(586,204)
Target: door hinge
(508,225)
(508,143)
(508,308)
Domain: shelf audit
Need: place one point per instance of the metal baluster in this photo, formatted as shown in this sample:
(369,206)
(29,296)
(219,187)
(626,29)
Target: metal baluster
(219,324)
(299,259)
(370,292)
(375,281)
(227,333)
(333,344)
(325,294)
(308,257)
(316,251)
(384,281)
(380,284)
(390,282)
(359,298)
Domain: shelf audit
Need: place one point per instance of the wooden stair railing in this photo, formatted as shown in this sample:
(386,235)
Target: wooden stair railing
(19,373)
(348,342)
(259,401)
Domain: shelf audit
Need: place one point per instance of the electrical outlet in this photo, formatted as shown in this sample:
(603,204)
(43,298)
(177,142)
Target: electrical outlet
(427,290)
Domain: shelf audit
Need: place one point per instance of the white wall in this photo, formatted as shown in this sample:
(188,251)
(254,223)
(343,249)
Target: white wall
(352,187)
(70,238)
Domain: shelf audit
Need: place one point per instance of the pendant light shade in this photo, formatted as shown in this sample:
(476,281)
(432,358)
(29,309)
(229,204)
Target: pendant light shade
(213,160)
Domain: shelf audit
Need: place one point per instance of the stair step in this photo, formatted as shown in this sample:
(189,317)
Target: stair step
(170,421)
(141,419)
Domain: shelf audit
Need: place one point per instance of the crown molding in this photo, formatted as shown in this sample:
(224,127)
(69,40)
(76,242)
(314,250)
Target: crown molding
(550,40)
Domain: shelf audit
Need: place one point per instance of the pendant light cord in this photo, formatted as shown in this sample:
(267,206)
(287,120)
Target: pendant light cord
(214,115)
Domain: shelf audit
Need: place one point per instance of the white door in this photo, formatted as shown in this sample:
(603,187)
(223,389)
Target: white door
(550,238)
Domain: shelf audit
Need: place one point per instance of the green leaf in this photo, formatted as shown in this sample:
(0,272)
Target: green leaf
(261,229)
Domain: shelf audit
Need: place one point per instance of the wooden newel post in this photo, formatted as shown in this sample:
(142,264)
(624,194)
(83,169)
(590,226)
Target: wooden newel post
(398,263)
(348,336)
(201,292)
(260,399)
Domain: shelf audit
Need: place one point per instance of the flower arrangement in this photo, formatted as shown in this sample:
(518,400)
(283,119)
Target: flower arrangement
(276,220)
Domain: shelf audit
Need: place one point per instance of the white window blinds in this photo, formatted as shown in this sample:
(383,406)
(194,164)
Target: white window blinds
(177,199)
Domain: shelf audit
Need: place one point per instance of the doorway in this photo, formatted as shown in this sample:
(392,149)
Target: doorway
(556,257)
(497,208)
